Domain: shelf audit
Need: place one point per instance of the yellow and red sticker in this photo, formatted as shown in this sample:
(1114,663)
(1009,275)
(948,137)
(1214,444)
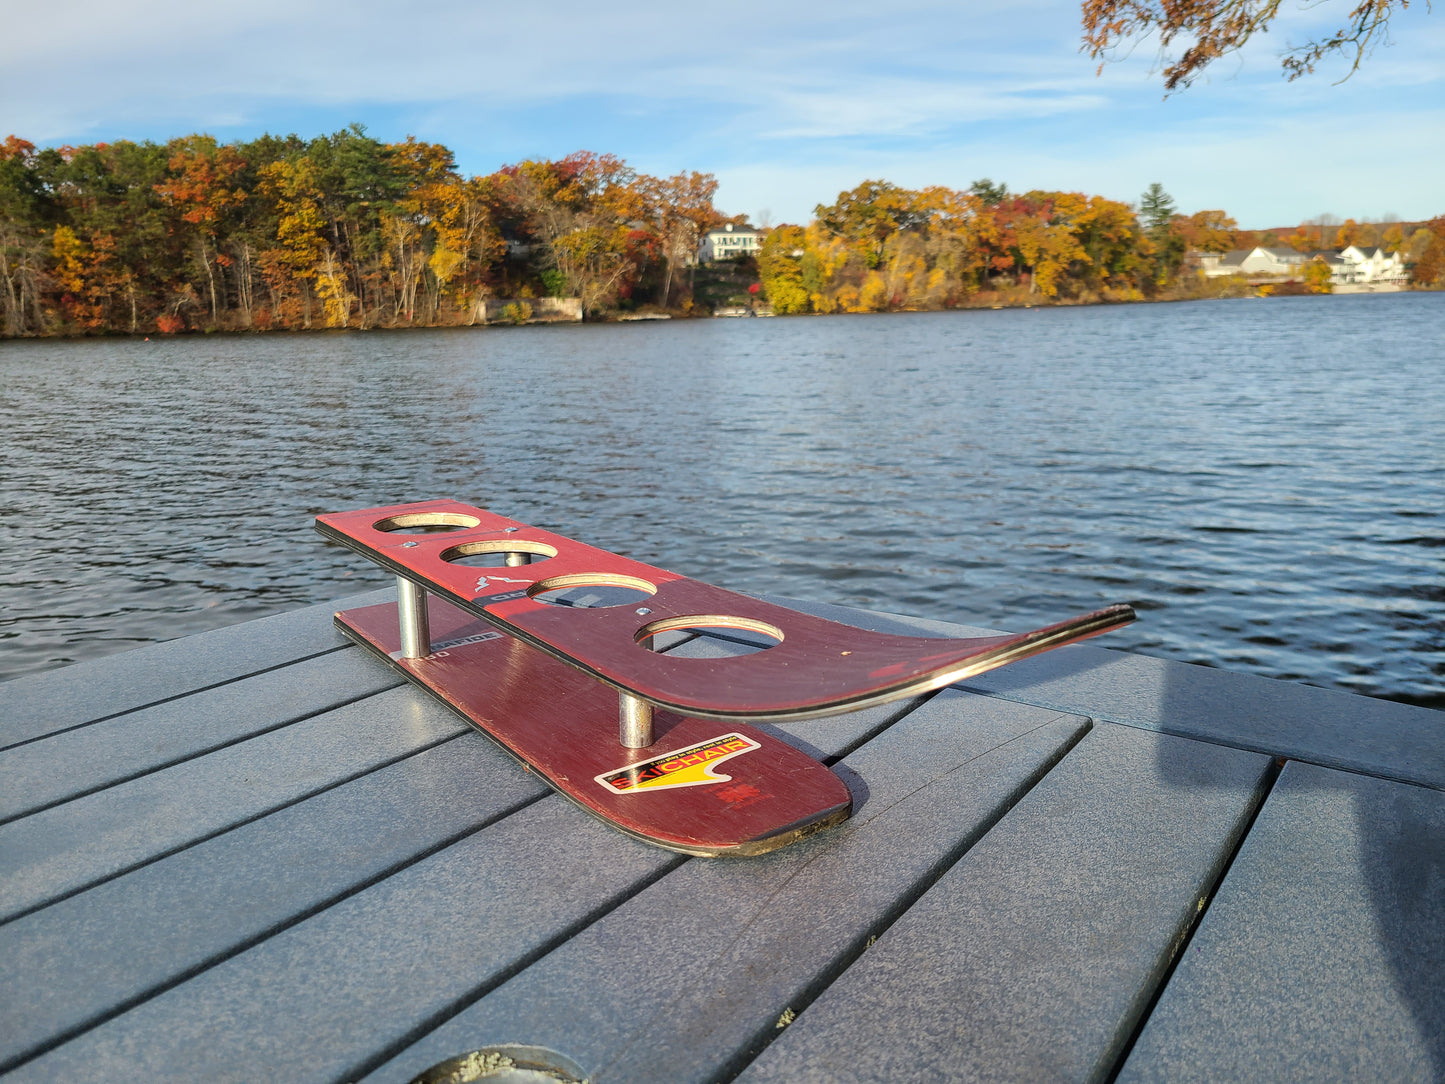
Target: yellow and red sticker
(690,767)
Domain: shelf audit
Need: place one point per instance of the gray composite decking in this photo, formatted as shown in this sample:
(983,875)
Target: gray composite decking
(257,855)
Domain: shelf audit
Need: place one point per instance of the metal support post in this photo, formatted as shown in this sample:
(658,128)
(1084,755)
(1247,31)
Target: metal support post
(413,620)
(635,731)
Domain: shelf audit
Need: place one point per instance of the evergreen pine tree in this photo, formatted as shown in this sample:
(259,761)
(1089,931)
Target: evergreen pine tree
(1156,208)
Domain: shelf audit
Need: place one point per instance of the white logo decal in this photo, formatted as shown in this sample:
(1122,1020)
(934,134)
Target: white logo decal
(483,581)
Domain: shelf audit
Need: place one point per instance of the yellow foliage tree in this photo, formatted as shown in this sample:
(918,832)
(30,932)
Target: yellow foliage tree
(824,258)
(873,297)
(295,193)
(86,274)
(960,232)
(1116,249)
(870,215)
(780,268)
(336,300)
(1317,277)
(69,253)
(1047,241)
(449,227)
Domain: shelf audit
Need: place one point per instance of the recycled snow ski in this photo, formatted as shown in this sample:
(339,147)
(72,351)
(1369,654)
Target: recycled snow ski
(656,744)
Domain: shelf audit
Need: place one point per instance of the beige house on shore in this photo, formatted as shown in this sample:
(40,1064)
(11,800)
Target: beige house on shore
(729,241)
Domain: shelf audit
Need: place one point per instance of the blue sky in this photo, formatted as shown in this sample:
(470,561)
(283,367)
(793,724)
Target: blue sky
(787,103)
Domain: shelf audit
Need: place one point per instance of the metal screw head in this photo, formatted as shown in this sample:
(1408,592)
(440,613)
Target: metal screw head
(408,545)
(510,530)
(643,611)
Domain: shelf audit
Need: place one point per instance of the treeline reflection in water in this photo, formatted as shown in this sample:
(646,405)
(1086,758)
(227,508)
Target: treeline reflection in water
(1263,480)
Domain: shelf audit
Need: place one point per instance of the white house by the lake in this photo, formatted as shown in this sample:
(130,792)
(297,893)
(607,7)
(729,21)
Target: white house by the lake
(729,241)
(1354,264)
(1372,264)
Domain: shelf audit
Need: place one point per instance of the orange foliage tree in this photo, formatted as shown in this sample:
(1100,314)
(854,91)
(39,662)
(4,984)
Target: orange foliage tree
(204,183)
(1207,231)
(1429,268)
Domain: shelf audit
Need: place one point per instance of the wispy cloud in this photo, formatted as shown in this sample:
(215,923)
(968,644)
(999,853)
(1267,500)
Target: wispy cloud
(787,102)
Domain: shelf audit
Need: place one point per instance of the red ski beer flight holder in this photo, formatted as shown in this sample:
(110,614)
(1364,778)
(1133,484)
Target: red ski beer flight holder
(657,744)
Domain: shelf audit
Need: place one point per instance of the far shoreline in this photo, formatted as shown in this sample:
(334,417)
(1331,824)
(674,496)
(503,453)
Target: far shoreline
(659,316)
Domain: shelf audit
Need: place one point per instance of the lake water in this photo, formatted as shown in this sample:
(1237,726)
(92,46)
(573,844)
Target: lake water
(1263,479)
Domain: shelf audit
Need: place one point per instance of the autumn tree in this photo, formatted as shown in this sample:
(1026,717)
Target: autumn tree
(826,256)
(126,264)
(961,228)
(1419,240)
(440,233)
(1317,277)
(1216,28)
(1303,238)
(581,209)
(25,208)
(1429,265)
(1207,231)
(1115,250)
(1034,238)
(681,211)
(594,261)
(292,187)
(356,180)
(870,214)
(1351,233)
(204,185)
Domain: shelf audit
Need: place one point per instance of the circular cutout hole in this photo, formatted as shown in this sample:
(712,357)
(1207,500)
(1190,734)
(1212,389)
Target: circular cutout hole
(592,591)
(426,523)
(504,553)
(507,1063)
(741,635)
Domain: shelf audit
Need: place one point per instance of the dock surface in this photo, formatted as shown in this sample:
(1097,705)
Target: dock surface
(257,854)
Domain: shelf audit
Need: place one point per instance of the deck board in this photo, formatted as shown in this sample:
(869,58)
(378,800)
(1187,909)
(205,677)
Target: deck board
(36,705)
(366,972)
(131,745)
(1323,954)
(1032,958)
(63,849)
(249,855)
(83,958)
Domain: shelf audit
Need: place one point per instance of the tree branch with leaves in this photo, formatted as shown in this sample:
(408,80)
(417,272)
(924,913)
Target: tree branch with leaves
(1216,28)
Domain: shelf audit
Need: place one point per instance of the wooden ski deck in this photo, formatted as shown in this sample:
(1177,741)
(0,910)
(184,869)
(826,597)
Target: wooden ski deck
(255,854)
